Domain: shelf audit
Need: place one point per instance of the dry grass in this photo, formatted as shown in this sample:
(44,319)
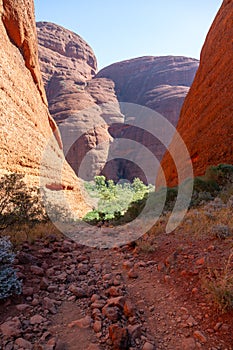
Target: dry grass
(19,234)
(146,246)
(199,223)
(219,283)
(202,224)
(159,227)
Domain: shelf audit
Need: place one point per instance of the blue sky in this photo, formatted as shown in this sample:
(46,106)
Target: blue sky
(123,29)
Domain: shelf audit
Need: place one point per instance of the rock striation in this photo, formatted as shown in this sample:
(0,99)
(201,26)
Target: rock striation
(27,128)
(206,123)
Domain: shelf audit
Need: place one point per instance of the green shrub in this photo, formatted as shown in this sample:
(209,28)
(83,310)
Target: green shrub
(217,181)
(124,202)
(92,217)
(201,184)
(114,200)
(222,174)
(133,211)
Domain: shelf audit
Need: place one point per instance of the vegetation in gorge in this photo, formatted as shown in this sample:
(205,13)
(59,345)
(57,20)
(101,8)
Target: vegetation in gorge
(112,200)
(122,202)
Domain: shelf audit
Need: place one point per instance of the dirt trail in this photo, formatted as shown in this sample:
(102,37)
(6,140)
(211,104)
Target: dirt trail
(82,298)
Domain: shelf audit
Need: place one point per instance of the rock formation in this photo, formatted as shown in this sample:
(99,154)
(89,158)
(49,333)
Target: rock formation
(25,123)
(206,123)
(159,83)
(83,107)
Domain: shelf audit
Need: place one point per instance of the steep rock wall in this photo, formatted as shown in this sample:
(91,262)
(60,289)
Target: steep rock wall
(26,127)
(206,120)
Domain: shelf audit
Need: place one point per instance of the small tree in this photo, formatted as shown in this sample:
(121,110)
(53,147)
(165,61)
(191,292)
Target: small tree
(18,203)
(100,182)
(9,283)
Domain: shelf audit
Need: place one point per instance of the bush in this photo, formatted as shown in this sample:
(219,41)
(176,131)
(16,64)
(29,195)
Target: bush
(93,217)
(18,203)
(115,200)
(9,283)
(204,189)
(222,174)
(201,184)
(124,202)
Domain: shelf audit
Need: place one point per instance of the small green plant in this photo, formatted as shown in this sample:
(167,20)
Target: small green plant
(93,216)
(220,285)
(9,283)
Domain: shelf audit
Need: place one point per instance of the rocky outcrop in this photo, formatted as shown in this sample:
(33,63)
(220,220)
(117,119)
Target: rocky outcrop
(83,107)
(63,54)
(206,123)
(27,142)
(159,83)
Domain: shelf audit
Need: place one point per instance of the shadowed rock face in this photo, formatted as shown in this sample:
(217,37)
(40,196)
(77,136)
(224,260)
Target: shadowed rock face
(87,103)
(25,123)
(206,122)
(159,83)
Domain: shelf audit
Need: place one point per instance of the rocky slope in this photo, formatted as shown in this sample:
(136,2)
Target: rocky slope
(159,83)
(27,143)
(82,107)
(205,122)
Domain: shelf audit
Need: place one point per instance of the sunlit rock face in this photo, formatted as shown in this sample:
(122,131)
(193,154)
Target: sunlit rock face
(206,122)
(25,123)
(83,107)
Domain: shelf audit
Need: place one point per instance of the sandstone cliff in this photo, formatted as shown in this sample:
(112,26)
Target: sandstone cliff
(206,123)
(83,107)
(25,123)
(85,104)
